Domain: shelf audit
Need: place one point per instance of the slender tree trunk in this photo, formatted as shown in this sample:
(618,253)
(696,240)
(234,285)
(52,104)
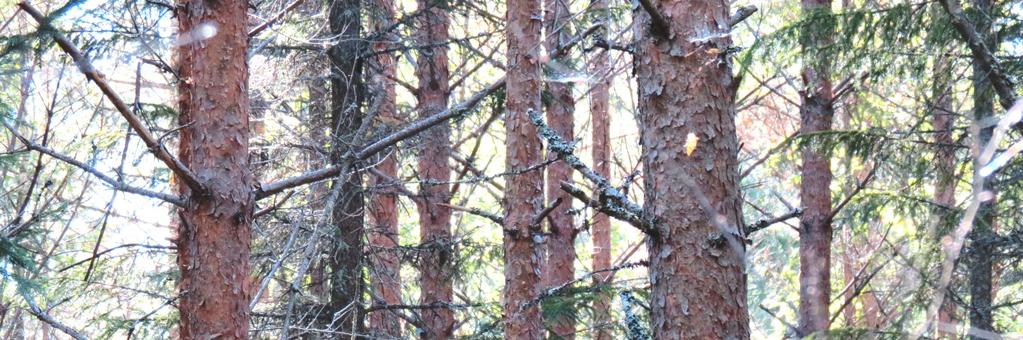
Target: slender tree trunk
(523,197)
(943,119)
(214,230)
(686,91)
(434,171)
(981,260)
(346,117)
(560,106)
(600,229)
(815,230)
(385,266)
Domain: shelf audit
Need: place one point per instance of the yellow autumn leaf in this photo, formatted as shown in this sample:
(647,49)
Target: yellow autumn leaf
(691,141)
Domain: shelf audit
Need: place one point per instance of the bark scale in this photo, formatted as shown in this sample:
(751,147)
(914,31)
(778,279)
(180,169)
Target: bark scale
(560,106)
(385,265)
(524,192)
(686,90)
(214,229)
(435,173)
(815,229)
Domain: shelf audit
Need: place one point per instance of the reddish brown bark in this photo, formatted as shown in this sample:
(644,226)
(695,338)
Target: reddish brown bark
(600,229)
(214,230)
(434,171)
(346,265)
(815,230)
(943,119)
(523,196)
(697,275)
(560,106)
(385,266)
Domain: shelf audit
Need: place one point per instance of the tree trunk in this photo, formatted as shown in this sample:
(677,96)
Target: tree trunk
(435,173)
(385,266)
(981,253)
(815,230)
(686,91)
(600,230)
(560,105)
(523,197)
(943,119)
(346,117)
(214,230)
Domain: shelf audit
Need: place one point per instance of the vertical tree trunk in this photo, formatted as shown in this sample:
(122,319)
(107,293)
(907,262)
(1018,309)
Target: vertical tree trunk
(600,229)
(981,260)
(214,230)
(560,264)
(434,171)
(686,90)
(523,197)
(385,266)
(346,117)
(815,230)
(943,119)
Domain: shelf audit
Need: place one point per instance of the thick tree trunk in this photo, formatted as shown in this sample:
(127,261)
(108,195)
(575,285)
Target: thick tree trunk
(600,228)
(815,231)
(523,197)
(346,117)
(981,253)
(697,268)
(214,230)
(385,266)
(560,264)
(434,171)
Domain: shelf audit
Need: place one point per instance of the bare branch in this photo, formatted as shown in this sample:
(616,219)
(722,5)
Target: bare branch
(658,24)
(43,316)
(741,14)
(475,211)
(981,52)
(256,30)
(115,184)
(95,76)
(763,224)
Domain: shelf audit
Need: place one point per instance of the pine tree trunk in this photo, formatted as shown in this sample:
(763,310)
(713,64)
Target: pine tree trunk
(434,172)
(560,106)
(214,230)
(815,230)
(943,120)
(697,268)
(981,253)
(347,215)
(600,229)
(523,197)
(385,265)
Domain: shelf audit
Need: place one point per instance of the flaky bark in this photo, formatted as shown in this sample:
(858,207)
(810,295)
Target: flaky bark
(434,171)
(345,267)
(981,251)
(815,230)
(523,196)
(600,229)
(698,283)
(560,106)
(214,230)
(385,266)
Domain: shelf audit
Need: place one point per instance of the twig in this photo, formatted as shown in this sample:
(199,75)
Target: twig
(91,73)
(273,207)
(475,211)
(763,224)
(741,14)
(255,31)
(43,316)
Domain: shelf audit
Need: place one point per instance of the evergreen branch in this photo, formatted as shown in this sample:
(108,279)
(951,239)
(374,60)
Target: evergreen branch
(136,124)
(45,317)
(981,52)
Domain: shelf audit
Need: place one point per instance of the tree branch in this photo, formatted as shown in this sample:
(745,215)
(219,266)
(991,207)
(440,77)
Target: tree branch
(981,53)
(258,29)
(658,24)
(763,224)
(43,316)
(95,76)
(741,14)
(115,184)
